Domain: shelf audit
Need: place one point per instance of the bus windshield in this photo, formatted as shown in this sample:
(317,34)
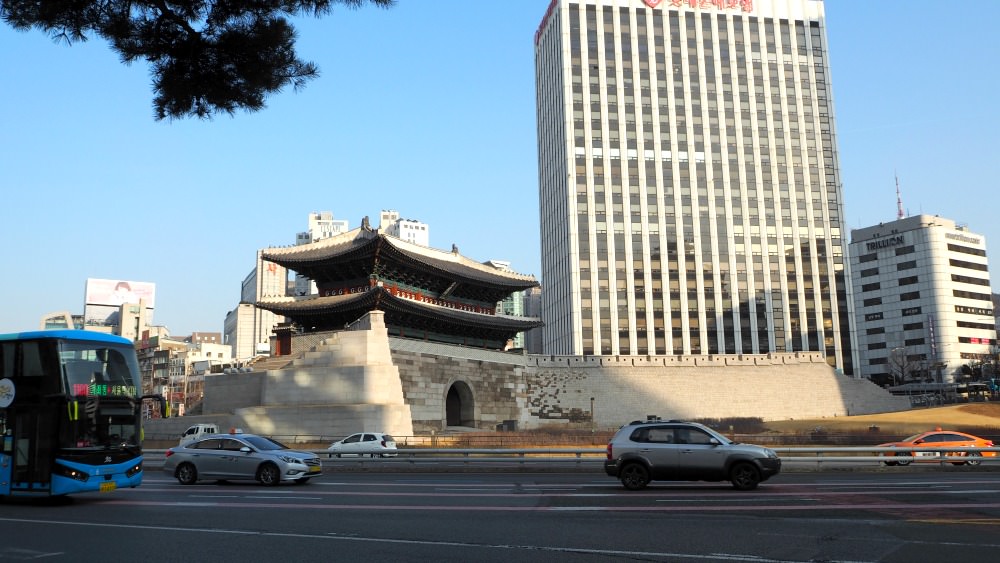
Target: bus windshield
(98,370)
(99,377)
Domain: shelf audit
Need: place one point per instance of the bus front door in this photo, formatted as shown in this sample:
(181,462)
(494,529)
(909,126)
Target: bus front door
(34,440)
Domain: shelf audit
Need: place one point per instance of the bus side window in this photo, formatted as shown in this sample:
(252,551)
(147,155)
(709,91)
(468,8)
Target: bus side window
(7,359)
(31,360)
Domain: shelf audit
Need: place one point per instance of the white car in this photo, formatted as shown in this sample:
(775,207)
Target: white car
(374,444)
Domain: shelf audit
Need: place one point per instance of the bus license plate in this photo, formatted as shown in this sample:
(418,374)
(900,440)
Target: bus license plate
(108,486)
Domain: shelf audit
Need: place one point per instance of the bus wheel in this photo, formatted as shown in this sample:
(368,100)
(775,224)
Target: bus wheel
(187,474)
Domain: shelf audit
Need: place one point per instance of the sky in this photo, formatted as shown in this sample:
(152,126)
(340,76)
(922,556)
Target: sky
(426,108)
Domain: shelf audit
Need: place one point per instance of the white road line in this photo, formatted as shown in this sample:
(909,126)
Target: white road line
(511,547)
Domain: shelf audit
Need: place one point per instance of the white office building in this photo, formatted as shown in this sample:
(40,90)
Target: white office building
(409,230)
(688,180)
(247,329)
(923,299)
(321,225)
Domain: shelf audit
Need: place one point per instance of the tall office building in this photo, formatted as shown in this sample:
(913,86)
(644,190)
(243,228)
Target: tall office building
(688,180)
(923,299)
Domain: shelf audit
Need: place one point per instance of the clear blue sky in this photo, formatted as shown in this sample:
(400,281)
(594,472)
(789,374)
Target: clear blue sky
(428,109)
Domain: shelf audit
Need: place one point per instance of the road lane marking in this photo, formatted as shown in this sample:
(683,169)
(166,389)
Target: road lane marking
(470,545)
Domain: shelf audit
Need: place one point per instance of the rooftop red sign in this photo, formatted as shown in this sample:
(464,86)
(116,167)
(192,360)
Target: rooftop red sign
(744,5)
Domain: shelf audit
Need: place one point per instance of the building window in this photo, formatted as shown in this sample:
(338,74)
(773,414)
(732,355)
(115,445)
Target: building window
(904,250)
(871,286)
(972,295)
(873,301)
(969,265)
(982,326)
(906,265)
(868,258)
(908,280)
(877,330)
(909,296)
(966,250)
(967,279)
(981,311)
(869,272)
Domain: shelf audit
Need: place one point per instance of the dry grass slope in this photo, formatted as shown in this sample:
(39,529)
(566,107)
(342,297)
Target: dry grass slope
(974,417)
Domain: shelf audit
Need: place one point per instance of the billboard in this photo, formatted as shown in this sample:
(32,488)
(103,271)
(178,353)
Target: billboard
(103,298)
(118,292)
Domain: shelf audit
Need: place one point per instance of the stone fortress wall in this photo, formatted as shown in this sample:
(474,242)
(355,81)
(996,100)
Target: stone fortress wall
(541,391)
(337,383)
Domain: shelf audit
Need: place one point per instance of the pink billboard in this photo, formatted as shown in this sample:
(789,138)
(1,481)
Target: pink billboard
(116,292)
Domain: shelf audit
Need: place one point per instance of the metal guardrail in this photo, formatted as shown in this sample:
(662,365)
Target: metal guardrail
(581,456)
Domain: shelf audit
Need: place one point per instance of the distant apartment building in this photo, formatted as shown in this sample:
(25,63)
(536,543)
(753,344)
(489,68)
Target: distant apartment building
(409,230)
(176,367)
(923,299)
(689,188)
(156,351)
(321,225)
(238,331)
(61,320)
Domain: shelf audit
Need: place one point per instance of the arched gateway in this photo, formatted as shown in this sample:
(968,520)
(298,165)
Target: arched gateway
(460,406)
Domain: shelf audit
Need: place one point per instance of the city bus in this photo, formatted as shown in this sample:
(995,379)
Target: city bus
(70,413)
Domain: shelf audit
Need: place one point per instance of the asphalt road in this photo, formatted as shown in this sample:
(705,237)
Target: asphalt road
(898,516)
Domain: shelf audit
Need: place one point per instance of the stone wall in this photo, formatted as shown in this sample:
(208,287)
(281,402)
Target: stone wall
(540,391)
(334,384)
(226,392)
(497,389)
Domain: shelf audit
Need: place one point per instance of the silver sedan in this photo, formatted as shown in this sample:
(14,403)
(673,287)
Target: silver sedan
(224,457)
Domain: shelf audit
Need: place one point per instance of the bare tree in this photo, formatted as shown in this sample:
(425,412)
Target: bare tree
(903,368)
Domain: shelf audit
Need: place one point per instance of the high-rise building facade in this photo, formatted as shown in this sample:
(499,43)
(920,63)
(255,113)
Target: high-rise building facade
(688,180)
(923,300)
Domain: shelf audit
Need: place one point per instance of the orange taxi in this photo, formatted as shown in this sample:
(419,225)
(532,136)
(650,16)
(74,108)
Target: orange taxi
(937,445)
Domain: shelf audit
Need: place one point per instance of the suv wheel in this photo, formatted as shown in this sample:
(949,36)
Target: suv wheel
(634,476)
(744,476)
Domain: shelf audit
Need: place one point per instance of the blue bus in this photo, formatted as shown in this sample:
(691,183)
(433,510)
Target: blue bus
(70,413)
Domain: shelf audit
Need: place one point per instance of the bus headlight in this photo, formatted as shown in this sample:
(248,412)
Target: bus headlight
(132,471)
(69,472)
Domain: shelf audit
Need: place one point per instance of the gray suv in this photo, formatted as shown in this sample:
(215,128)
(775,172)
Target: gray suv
(673,450)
